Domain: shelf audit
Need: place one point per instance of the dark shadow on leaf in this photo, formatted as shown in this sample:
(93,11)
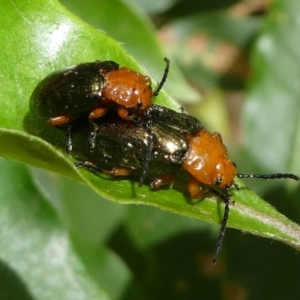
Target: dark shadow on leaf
(11,285)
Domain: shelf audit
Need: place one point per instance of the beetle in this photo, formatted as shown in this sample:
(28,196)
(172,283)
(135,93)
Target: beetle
(92,89)
(179,142)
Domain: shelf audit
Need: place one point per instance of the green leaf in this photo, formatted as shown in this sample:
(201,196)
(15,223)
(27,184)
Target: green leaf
(90,220)
(211,47)
(42,37)
(272,109)
(133,29)
(38,260)
(148,226)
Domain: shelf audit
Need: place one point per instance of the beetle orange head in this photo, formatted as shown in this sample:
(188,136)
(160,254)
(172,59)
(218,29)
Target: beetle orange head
(207,160)
(128,88)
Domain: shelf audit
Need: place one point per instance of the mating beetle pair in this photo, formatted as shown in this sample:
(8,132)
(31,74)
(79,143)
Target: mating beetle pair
(90,90)
(140,139)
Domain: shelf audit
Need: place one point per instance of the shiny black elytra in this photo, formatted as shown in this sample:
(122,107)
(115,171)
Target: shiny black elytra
(71,91)
(124,144)
(67,94)
(91,90)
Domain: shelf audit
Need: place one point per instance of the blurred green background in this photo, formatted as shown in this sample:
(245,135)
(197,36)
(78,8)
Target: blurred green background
(235,65)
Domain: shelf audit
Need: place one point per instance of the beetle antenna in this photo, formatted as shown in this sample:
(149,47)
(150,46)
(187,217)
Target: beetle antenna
(164,78)
(269,176)
(226,198)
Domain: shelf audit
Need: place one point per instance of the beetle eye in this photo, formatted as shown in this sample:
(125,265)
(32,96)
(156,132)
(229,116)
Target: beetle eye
(218,180)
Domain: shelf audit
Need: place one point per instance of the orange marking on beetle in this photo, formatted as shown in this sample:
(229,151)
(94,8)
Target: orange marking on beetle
(162,180)
(123,113)
(207,160)
(97,113)
(196,189)
(118,171)
(128,88)
(61,120)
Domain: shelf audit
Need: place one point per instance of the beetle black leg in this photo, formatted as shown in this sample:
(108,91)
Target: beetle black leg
(88,166)
(226,198)
(68,140)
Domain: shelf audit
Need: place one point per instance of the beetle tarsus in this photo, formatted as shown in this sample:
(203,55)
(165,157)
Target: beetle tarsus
(68,140)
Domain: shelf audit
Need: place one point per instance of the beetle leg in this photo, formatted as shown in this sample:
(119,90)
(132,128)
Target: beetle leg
(162,180)
(196,189)
(92,167)
(93,134)
(61,120)
(119,171)
(88,166)
(95,114)
(123,113)
(68,140)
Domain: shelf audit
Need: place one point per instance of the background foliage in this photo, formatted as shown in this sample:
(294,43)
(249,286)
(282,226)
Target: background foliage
(235,66)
